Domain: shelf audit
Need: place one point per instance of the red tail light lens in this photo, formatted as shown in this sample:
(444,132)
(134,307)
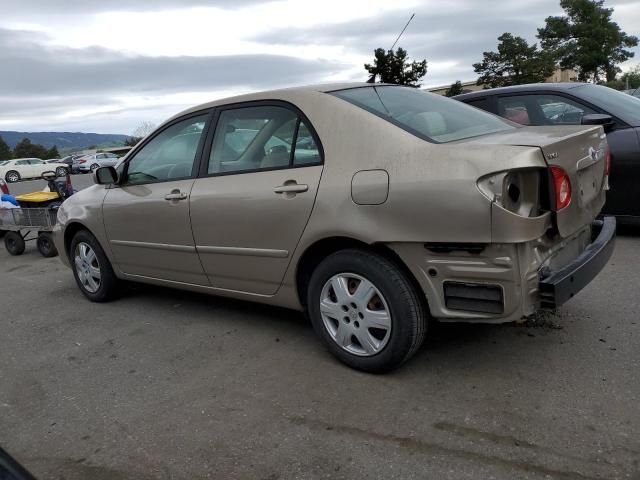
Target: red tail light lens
(561,186)
(82,161)
(607,162)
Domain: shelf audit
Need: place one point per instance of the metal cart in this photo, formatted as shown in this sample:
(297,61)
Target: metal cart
(18,224)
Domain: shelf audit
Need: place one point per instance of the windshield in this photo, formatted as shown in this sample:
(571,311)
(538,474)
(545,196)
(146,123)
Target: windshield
(426,115)
(621,105)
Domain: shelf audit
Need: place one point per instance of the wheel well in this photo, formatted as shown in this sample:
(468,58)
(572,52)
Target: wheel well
(70,232)
(317,252)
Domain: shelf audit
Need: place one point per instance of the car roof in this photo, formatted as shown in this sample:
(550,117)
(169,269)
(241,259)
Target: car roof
(279,94)
(541,87)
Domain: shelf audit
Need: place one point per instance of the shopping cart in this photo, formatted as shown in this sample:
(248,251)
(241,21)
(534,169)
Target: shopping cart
(20,225)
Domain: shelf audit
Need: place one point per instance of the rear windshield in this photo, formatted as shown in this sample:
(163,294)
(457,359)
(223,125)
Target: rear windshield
(623,106)
(426,115)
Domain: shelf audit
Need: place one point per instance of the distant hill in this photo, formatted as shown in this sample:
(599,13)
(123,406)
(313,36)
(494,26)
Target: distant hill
(64,140)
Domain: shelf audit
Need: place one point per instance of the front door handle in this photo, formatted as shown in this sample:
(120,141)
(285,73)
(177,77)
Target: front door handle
(291,188)
(176,195)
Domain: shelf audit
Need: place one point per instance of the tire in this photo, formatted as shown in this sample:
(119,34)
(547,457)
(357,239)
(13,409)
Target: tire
(14,243)
(61,172)
(12,176)
(391,293)
(102,287)
(46,246)
(94,167)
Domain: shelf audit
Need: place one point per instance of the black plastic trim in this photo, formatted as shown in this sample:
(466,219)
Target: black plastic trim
(559,286)
(474,297)
(474,248)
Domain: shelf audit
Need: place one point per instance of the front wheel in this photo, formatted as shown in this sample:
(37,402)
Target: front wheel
(12,177)
(366,310)
(94,167)
(91,268)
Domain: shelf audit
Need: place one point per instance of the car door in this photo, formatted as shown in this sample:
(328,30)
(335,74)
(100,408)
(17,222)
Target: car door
(146,216)
(255,195)
(37,167)
(23,167)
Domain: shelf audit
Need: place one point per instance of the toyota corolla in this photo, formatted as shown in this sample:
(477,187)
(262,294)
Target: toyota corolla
(374,208)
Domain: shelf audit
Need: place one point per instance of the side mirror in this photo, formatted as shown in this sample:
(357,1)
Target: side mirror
(49,175)
(105,176)
(599,119)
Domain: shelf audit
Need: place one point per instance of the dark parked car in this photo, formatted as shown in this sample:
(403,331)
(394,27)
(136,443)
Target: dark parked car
(575,104)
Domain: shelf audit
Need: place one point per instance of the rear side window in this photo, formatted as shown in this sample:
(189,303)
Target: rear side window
(426,115)
(481,103)
(261,138)
(542,109)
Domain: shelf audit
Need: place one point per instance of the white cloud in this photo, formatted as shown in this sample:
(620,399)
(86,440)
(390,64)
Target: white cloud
(107,64)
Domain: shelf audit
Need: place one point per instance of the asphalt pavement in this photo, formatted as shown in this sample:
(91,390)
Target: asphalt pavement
(163,384)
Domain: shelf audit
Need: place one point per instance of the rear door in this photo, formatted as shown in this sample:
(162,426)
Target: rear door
(254,199)
(146,216)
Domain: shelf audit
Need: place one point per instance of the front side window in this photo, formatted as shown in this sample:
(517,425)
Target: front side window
(170,155)
(427,115)
(623,106)
(258,138)
(22,162)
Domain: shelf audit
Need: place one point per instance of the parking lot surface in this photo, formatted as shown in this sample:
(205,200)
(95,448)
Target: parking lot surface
(163,384)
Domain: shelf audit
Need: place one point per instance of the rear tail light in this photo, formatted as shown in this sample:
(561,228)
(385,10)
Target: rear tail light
(82,161)
(561,187)
(607,162)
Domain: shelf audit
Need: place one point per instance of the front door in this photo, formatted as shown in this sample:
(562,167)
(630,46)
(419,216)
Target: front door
(250,210)
(146,216)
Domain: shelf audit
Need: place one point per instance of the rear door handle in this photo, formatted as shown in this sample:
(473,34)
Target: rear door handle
(291,188)
(176,195)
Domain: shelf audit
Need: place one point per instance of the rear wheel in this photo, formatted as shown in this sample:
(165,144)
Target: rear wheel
(12,176)
(14,243)
(45,245)
(91,268)
(61,172)
(94,167)
(366,310)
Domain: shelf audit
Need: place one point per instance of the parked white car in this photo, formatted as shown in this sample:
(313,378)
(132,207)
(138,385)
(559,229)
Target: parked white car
(89,163)
(23,168)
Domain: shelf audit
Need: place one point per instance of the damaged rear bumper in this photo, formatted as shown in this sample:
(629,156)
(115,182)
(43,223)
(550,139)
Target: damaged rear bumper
(556,287)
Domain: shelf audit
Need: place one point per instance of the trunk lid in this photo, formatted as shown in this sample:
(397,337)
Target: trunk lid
(579,151)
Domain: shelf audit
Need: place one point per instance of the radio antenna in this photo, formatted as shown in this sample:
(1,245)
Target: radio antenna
(405,27)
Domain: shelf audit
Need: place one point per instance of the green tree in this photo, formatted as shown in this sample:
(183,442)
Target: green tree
(394,67)
(26,149)
(586,39)
(454,89)
(52,153)
(515,63)
(630,80)
(5,151)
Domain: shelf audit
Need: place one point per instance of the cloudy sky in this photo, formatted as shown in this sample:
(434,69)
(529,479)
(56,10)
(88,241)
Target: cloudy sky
(107,65)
